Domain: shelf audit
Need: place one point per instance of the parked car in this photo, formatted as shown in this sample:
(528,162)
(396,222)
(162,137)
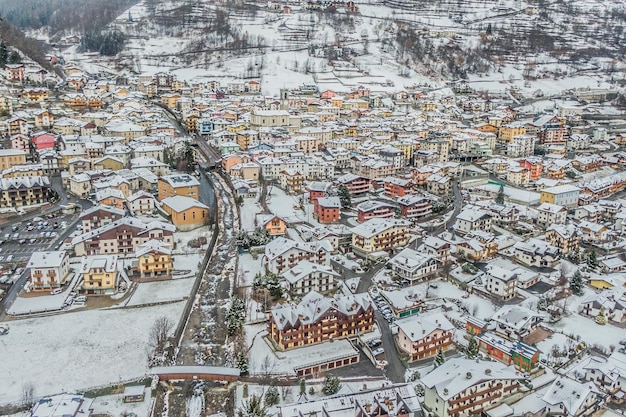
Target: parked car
(80,299)
(56,291)
(10,258)
(378,351)
(374,343)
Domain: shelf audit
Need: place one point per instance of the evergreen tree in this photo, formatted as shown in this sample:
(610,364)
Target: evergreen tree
(4,54)
(472,348)
(189,158)
(14,58)
(489,29)
(500,196)
(332,384)
(576,283)
(302,386)
(271,396)
(242,362)
(240,200)
(254,407)
(592,258)
(601,317)
(439,358)
(344,196)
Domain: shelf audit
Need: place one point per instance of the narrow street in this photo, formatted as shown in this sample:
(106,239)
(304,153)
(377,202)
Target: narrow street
(395,369)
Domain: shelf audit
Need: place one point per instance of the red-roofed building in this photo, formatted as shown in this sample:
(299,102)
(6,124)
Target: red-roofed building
(43,140)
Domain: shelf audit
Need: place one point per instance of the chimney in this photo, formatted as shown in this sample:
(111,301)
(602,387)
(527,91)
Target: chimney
(468,375)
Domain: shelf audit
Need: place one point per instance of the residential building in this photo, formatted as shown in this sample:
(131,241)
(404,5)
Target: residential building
(178,184)
(48,270)
(24,191)
(356,185)
(327,210)
(437,248)
(608,374)
(372,209)
(414,206)
(550,214)
(463,387)
(522,356)
(422,336)
(122,236)
(569,398)
(318,319)
(274,225)
(413,266)
(291,180)
(472,218)
(515,322)
(377,235)
(154,260)
(562,195)
(282,253)
(564,237)
(186,213)
(397,187)
(11,157)
(99,216)
(99,274)
(535,252)
(391,400)
(141,203)
(307,276)
(501,283)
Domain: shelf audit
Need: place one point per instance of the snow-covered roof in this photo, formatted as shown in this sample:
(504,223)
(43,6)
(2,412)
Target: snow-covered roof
(457,374)
(52,259)
(570,393)
(306,268)
(417,328)
(375,226)
(180,203)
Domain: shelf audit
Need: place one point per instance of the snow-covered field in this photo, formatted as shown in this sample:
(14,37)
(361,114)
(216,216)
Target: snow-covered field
(78,350)
(161,291)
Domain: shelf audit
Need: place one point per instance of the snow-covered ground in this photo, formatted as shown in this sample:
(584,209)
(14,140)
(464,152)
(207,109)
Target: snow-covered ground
(161,291)
(248,268)
(78,350)
(182,240)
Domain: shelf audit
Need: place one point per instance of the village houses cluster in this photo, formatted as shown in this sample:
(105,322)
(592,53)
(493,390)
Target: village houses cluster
(437,199)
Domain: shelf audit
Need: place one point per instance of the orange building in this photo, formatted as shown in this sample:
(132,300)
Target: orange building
(177,184)
(186,213)
(327,209)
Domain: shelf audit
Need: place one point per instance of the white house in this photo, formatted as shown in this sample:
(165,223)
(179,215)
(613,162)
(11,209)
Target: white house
(48,269)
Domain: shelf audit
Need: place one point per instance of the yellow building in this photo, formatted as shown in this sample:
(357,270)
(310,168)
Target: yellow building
(99,274)
(35,94)
(377,235)
(177,184)
(11,157)
(186,213)
(17,171)
(506,133)
(154,260)
(108,162)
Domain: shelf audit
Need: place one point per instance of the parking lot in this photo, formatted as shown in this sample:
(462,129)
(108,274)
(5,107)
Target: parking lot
(20,240)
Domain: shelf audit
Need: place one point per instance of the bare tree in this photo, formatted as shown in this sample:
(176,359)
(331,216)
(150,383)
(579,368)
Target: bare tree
(28,393)
(268,366)
(159,332)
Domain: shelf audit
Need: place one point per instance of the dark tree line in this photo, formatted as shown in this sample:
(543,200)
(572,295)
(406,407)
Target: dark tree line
(36,50)
(105,42)
(61,15)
